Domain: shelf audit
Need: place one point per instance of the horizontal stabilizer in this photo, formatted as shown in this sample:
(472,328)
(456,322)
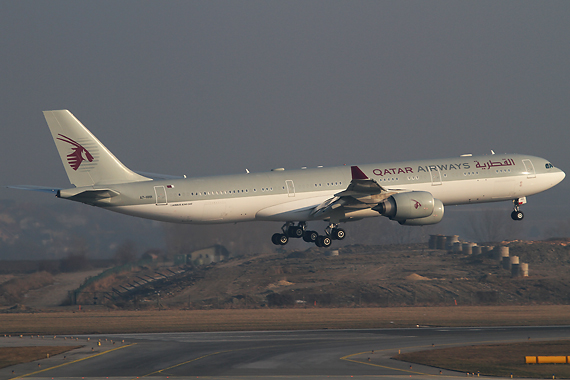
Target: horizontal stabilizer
(160,176)
(42,189)
(93,197)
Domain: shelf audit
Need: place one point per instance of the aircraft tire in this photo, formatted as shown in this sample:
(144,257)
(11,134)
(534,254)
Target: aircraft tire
(318,242)
(338,234)
(310,236)
(323,241)
(295,232)
(279,239)
(517,215)
(275,239)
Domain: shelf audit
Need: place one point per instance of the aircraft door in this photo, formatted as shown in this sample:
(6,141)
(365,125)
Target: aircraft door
(529,168)
(290,187)
(160,193)
(435,175)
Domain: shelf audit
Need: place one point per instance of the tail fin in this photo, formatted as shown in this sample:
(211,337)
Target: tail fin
(86,161)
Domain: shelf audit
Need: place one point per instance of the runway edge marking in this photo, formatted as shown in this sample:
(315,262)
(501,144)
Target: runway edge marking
(75,361)
(347,358)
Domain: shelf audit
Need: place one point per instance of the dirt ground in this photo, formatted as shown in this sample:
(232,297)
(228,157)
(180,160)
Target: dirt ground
(352,276)
(359,276)
(92,321)
(496,360)
(53,295)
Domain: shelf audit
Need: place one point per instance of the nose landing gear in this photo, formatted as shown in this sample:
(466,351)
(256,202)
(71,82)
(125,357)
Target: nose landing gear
(517,214)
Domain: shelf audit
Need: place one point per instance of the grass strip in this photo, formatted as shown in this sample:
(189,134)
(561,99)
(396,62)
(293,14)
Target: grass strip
(108,322)
(16,355)
(497,359)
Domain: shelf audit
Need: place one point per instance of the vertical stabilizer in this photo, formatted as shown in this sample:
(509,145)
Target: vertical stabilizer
(86,161)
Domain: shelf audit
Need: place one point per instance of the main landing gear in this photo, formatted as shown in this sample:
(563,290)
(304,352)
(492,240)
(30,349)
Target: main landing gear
(332,232)
(517,214)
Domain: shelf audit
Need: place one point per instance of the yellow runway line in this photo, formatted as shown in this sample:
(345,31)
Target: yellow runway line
(75,361)
(212,354)
(347,358)
(186,362)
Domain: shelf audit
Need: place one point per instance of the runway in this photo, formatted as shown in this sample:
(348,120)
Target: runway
(316,354)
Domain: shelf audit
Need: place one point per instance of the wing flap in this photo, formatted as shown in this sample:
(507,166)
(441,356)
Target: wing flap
(361,193)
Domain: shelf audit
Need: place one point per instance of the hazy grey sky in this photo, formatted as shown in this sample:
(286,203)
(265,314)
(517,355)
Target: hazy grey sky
(214,87)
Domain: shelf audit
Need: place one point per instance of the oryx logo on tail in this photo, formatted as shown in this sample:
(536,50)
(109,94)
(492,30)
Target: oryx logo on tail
(78,154)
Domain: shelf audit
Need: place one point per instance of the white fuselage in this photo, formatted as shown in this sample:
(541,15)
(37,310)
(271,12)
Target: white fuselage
(292,195)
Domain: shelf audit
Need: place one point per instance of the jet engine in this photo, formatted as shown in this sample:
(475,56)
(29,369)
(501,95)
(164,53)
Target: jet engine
(409,205)
(434,218)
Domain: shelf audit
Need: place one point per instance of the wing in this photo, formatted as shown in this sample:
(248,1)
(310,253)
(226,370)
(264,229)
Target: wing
(361,193)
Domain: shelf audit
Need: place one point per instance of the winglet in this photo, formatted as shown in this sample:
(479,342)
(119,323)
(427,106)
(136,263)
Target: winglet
(357,173)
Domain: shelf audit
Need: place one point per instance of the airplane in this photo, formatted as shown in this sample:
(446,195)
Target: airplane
(412,193)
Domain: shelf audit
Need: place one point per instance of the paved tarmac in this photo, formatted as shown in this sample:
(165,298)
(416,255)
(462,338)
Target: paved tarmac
(316,354)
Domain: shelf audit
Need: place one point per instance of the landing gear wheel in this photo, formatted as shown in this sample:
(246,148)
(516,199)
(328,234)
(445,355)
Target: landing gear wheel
(275,239)
(323,241)
(279,239)
(338,234)
(310,236)
(295,232)
(517,215)
(318,242)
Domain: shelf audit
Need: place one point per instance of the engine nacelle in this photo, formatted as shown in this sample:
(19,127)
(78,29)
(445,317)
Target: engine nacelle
(409,205)
(434,218)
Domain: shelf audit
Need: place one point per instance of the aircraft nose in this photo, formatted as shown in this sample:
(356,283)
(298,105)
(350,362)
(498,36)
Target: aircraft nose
(560,175)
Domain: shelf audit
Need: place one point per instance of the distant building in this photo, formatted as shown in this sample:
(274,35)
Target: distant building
(208,255)
(152,254)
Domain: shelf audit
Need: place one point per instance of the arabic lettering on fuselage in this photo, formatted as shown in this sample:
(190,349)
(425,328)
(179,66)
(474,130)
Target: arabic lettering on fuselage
(444,167)
(492,164)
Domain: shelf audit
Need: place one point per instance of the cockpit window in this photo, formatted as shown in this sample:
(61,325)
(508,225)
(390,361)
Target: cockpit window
(549,165)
